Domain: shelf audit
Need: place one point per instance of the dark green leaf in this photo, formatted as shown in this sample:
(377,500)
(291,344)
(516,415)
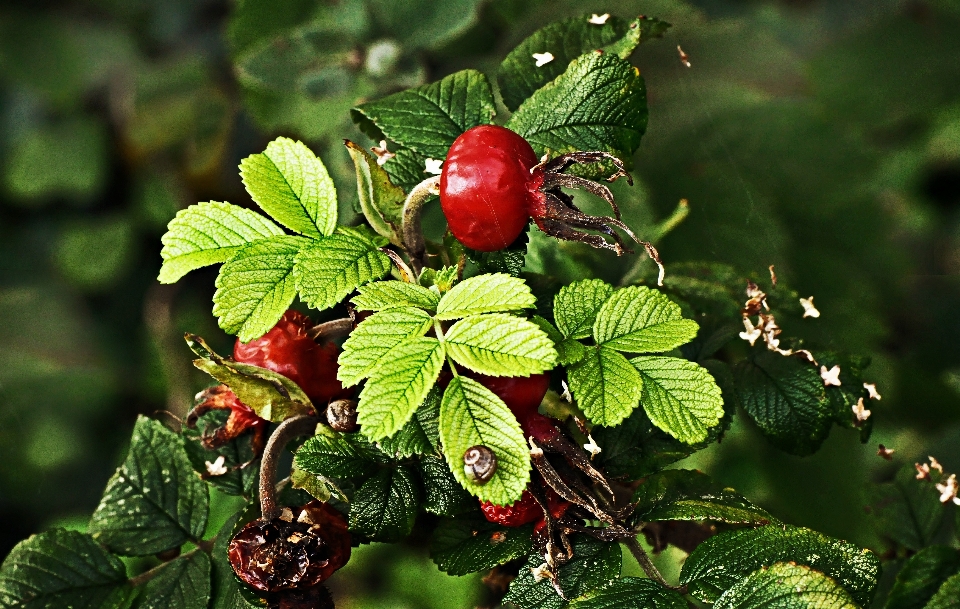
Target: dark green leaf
(427,119)
(385,506)
(907,510)
(59,569)
(569,113)
(509,260)
(339,455)
(421,434)
(720,562)
(921,577)
(637,448)
(182,583)
(380,200)
(948,596)
(407,168)
(784,395)
(155,501)
(237,452)
(682,494)
(468,545)
(786,586)
(842,399)
(594,563)
(444,495)
(630,593)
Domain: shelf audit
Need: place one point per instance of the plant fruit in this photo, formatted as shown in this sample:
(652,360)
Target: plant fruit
(525,510)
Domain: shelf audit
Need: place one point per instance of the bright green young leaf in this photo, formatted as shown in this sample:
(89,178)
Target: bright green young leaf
(380,200)
(725,559)
(679,396)
(496,293)
(155,501)
(427,119)
(500,345)
(385,507)
(380,295)
(256,286)
(421,434)
(569,351)
(922,576)
(209,233)
(606,386)
(443,279)
(906,510)
(630,593)
(638,319)
(681,494)
(60,568)
(948,596)
(236,453)
(331,268)
(594,563)
(443,494)
(567,114)
(182,583)
(291,184)
(371,344)
(786,586)
(394,391)
(471,544)
(785,397)
(519,76)
(339,455)
(575,306)
(471,415)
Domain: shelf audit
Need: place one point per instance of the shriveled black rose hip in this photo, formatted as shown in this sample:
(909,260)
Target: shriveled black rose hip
(297,550)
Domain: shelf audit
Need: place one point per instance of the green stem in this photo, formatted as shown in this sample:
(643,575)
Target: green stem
(633,544)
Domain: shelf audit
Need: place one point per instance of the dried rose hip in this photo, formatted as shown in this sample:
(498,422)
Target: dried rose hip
(242,418)
(297,550)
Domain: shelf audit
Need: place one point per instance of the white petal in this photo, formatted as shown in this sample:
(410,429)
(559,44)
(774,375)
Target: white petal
(543,58)
(433,166)
(596,19)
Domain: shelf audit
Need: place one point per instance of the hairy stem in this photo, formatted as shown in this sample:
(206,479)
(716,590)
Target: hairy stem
(413,240)
(332,329)
(633,544)
(291,428)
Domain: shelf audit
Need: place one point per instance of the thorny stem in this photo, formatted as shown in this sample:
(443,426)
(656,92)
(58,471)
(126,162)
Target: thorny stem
(291,428)
(633,544)
(412,209)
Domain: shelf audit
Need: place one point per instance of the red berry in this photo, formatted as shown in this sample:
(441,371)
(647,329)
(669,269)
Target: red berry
(492,184)
(522,394)
(541,428)
(524,511)
(288,350)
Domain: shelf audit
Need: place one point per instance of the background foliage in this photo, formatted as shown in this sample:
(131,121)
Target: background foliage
(822,137)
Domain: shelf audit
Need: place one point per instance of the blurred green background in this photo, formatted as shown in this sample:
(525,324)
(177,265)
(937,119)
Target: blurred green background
(819,136)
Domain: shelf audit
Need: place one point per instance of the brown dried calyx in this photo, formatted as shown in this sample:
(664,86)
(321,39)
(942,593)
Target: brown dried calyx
(295,551)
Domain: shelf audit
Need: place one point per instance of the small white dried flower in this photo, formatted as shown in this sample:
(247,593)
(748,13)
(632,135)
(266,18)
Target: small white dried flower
(216,468)
(383,155)
(831,376)
(808,309)
(872,391)
(934,464)
(433,166)
(808,356)
(860,412)
(543,59)
(949,489)
(592,447)
(923,471)
(596,19)
(542,572)
(886,453)
(684,58)
(773,276)
(752,333)
(566,392)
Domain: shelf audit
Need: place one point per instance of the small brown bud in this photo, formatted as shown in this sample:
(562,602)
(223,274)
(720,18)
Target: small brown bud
(479,464)
(342,415)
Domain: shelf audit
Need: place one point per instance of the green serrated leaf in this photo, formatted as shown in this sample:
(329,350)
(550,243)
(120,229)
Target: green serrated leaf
(906,510)
(786,586)
(256,286)
(380,295)
(427,119)
(393,392)
(471,415)
(575,306)
(680,397)
(407,168)
(421,434)
(948,596)
(500,345)
(329,269)
(371,344)
(630,593)
(444,495)
(60,568)
(209,233)
(606,386)
(496,293)
(594,563)
(681,494)
(567,114)
(291,184)
(385,507)
(725,559)
(318,487)
(519,76)
(380,200)
(468,545)
(638,319)
(785,397)
(236,453)
(922,576)
(509,260)
(155,501)
(182,583)
(443,280)
(339,455)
